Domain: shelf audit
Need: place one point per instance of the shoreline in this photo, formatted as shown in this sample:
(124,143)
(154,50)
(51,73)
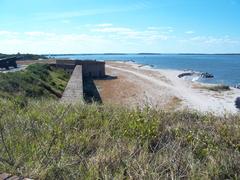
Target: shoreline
(153,67)
(162,87)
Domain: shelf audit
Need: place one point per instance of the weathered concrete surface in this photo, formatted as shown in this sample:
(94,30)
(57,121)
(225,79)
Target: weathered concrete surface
(74,91)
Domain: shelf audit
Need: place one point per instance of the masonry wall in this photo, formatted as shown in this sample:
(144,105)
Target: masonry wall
(74,90)
(95,69)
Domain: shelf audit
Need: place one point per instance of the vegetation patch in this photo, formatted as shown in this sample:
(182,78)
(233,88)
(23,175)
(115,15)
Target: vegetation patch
(218,88)
(24,56)
(48,140)
(37,81)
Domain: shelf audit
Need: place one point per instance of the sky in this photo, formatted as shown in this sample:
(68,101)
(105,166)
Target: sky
(119,26)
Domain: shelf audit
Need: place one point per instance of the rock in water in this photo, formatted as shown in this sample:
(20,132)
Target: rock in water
(202,75)
(206,75)
(237,86)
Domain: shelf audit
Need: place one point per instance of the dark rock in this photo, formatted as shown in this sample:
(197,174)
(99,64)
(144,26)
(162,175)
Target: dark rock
(203,75)
(237,103)
(185,74)
(206,75)
(237,86)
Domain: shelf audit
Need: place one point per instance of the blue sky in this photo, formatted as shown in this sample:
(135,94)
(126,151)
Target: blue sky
(131,26)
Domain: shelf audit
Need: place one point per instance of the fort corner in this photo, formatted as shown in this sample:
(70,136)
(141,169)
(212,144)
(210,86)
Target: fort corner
(90,68)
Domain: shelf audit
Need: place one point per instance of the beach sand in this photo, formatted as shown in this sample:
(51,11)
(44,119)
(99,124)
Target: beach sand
(138,85)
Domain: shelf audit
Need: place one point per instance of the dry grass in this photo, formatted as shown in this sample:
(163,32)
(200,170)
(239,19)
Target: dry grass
(173,104)
(46,140)
(215,88)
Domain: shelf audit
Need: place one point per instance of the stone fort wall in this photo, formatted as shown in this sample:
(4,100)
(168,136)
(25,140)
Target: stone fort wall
(95,69)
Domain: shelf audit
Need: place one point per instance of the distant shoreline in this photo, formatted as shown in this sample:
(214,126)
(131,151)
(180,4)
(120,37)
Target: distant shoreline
(116,54)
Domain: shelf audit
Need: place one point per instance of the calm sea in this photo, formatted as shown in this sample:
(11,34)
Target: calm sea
(225,68)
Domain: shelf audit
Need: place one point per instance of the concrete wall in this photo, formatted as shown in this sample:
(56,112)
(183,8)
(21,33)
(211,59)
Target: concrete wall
(95,69)
(74,90)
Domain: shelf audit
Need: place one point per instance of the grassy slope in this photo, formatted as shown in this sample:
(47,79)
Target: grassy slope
(47,140)
(51,141)
(37,81)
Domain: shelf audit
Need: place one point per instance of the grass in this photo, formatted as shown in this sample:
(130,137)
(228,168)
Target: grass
(37,81)
(47,140)
(43,139)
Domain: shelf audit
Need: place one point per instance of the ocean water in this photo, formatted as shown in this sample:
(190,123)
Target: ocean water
(225,68)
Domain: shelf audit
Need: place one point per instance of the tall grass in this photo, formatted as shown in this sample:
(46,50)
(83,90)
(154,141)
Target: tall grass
(47,140)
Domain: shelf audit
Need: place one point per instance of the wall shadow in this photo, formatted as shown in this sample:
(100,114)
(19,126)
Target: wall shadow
(107,77)
(90,91)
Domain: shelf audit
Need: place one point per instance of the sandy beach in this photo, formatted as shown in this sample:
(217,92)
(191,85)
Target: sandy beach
(137,85)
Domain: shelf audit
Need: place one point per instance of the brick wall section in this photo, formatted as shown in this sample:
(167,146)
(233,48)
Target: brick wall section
(74,91)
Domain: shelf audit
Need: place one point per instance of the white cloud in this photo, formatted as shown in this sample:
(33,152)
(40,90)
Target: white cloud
(41,42)
(109,38)
(38,33)
(104,25)
(120,30)
(65,21)
(190,32)
(162,29)
(214,40)
(8,33)
(123,33)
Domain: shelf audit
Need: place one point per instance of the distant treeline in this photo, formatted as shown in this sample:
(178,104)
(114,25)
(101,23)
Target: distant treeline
(24,56)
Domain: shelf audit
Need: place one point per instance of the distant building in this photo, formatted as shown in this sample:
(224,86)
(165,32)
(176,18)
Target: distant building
(95,69)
